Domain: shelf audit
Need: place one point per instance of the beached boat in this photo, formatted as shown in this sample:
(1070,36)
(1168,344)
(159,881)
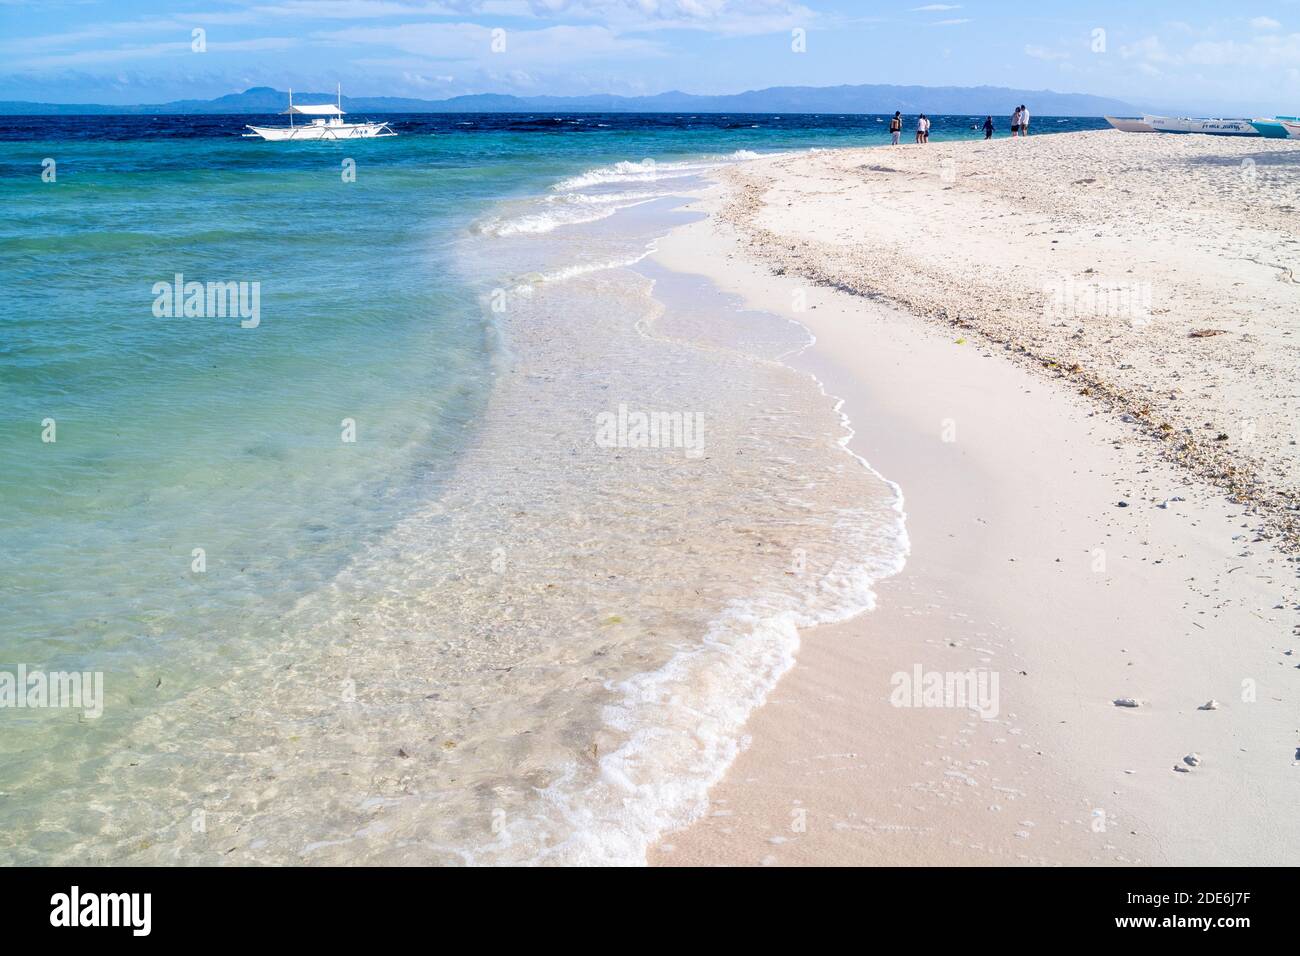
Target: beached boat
(1290,125)
(1270,128)
(1209,127)
(326,123)
(1129,124)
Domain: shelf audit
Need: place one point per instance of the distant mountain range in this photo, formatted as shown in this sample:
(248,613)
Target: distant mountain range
(778,99)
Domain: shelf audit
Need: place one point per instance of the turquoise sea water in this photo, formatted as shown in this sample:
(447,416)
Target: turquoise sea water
(199,500)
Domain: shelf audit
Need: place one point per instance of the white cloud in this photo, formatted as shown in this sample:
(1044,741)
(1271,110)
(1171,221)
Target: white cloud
(1149,50)
(472,43)
(349,9)
(601,29)
(727,17)
(722,15)
(420,81)
(1043,53)
(1262,52)
(936,7)
(733,17)
(149,51)
(1265,24)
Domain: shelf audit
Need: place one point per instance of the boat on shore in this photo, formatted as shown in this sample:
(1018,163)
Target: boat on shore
(1291,125)
(1130,124)
(1271,127)
(326,123)
(1209,127)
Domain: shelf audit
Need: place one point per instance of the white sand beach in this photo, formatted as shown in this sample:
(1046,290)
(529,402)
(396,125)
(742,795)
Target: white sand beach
(1077,356)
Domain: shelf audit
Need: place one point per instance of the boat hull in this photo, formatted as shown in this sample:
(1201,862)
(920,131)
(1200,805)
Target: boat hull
(1292,128)
(1270,128)
(277,134)
(1208,127)
(1129,124)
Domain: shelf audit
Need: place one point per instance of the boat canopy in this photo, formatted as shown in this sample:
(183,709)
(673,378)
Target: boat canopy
(322,109)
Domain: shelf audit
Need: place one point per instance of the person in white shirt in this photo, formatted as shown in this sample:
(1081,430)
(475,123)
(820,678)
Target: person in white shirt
(1015,123)
(921,123)
(1024,121)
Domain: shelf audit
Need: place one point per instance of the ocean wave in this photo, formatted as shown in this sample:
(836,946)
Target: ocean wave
(564,209)
(527,283)
(568,204)
(648,170)
(603,198)
(684,722)
(628,172)
(542,222)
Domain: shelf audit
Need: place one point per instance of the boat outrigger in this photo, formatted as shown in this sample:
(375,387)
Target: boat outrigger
(327,123)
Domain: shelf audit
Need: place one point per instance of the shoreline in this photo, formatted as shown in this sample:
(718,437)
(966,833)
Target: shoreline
(1006,521)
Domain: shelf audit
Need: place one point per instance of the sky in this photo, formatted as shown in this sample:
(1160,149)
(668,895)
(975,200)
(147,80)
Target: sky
(1208,57)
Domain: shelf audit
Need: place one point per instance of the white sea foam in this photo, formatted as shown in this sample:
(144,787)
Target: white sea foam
(569,205)
(528,282)
(564,209)
(684,722)
(648,171)
(627,172)
(545,221)
(600,199)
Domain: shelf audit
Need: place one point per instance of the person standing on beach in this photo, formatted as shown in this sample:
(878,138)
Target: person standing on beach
(1024,120)
(1015,123)
(896,127)
(988,127)
(920,128)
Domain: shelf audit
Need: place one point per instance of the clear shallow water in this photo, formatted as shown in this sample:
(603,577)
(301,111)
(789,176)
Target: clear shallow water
(473,634)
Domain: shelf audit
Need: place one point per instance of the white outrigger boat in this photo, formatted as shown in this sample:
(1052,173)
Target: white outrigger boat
(1211,127)
(326,123)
